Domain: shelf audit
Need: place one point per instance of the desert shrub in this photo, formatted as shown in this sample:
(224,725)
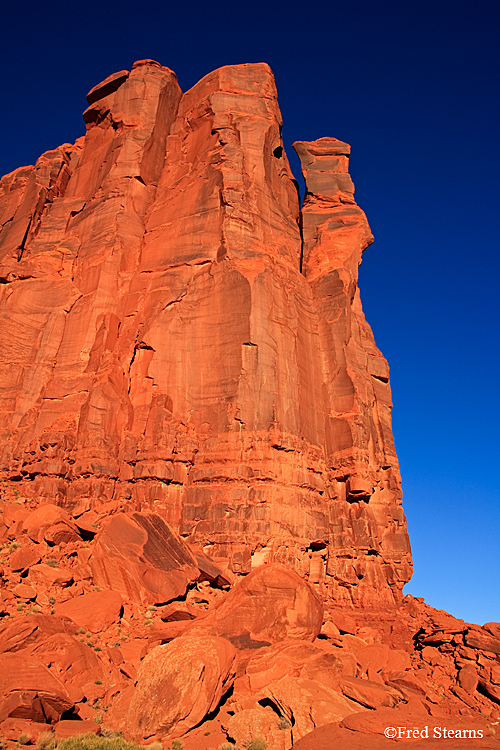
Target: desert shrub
(24,739)
(52,562)
(258,743)
(227,746)
(176,745)
(94,742)
(283,723)
(46,741)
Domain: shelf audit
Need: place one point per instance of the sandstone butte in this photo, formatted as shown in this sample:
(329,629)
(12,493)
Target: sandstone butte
(201,517)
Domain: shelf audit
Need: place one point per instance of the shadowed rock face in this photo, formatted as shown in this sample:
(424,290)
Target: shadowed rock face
(177,336)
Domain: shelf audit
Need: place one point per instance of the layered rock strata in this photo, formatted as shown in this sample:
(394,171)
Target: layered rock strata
(177,336)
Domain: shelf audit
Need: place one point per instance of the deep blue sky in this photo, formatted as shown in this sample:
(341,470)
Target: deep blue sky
(413,87)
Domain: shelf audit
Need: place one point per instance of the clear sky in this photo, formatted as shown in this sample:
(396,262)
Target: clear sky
(413,87)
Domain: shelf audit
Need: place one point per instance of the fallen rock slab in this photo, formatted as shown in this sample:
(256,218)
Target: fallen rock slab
(139,557)
(28,690)
(95,611)
(272,603)
(178,684)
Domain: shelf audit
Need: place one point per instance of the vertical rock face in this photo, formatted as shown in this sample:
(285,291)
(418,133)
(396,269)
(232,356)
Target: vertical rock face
(176,335)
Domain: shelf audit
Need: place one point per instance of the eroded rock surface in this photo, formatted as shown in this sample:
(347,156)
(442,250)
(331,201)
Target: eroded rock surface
(176,335)
(200,514)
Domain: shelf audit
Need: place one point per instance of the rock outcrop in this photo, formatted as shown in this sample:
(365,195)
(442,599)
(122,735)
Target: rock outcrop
(177,335)
(201,525)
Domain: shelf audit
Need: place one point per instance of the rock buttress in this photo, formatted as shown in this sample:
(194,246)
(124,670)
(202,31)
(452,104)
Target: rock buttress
(177,336)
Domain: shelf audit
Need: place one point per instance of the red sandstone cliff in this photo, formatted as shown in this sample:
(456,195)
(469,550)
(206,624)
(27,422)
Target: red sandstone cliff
(176,335)
(201,531)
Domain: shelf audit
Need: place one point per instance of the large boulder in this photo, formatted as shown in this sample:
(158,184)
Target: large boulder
(178,684)
(272,604)
(142,559)
(52,524)
(28,690)
(95,611)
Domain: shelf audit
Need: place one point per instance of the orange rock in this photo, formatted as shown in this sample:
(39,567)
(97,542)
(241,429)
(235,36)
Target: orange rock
(468,678)
(46,575)
(95,611)
(343,622)
(334,737)
(24,558)
(52,523)
(483,641)
(273,603)
(25,631)
(74,663)
(24,591)
(254,723)
(179,684)
(367,693)
(28,690)
(177,216)
(139,557)
(493,628)
(68,728)
(291,659)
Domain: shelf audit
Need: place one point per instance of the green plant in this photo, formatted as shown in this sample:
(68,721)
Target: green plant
(24,739)
(116,644)
(98,681)
(149,622)
(52,600)
(151,608)
(81,630)
(46,741)
(89,643)
(13,546)
(20,607)
(52,562)
(227,746)
(109,741)
(36,609)
(283,723)
(258,743)
(176,745)
(97,648)
(52,611)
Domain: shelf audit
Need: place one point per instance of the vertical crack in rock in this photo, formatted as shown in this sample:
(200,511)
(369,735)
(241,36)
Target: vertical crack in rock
(174,318)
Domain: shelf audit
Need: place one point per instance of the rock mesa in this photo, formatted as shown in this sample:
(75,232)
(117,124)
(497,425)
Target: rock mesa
(178,335)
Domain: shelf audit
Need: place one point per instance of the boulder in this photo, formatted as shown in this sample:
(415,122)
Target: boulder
(178,684)
(24,558)
(258,723)
(139,557)
(369,694)
(95,611)
(28,690)
(272,603)
(52,524)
